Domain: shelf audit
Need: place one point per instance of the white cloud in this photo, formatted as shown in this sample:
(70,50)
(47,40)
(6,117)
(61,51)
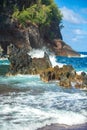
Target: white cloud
(79,32)
(77,38)
(71,16)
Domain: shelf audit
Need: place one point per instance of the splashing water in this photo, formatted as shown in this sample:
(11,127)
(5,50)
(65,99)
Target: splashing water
(39,53)
(36,53)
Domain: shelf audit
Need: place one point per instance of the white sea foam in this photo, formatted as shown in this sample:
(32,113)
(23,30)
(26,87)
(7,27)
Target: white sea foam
(29,112)
(54,61)
(2,59)
(83,56)
(79,72)
(38,53)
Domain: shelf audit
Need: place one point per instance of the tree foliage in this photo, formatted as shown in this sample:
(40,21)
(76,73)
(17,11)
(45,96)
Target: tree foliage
(42,12)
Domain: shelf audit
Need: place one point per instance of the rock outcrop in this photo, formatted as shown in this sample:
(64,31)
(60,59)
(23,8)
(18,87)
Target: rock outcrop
(66,76)
(22,63)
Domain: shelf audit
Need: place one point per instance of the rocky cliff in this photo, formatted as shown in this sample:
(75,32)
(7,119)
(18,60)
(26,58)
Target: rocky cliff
(11,32)
(32,24)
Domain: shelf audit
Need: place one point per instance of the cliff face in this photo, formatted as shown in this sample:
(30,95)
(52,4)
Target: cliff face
(32,37)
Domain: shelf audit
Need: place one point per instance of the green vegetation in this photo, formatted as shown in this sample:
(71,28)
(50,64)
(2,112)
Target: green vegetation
(43,12)
(36,14)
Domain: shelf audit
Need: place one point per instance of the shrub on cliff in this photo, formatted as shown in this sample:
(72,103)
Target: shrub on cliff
(36,14)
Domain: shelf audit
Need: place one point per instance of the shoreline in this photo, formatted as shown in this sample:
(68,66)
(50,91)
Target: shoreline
(64,127)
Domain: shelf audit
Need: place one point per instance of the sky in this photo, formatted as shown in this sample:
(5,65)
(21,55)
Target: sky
(75,23)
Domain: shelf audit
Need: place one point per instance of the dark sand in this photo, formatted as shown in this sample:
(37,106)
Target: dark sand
(64,127)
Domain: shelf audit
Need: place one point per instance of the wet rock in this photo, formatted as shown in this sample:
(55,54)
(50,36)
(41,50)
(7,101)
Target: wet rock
(65,82)
(65,75)
(81,80)
(84,78)
(22,63)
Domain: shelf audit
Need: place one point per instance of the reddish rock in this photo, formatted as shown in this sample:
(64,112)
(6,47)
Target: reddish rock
(62,49)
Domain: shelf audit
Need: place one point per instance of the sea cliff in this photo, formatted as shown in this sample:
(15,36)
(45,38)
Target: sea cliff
(36,24)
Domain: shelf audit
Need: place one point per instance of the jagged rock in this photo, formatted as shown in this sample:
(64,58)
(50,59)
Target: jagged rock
(57,73)
(66,76)
(22,63)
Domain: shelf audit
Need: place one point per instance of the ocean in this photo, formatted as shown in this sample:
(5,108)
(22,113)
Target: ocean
(27,103)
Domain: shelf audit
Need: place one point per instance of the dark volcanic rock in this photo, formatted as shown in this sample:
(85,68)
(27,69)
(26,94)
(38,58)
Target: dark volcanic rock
(22,63)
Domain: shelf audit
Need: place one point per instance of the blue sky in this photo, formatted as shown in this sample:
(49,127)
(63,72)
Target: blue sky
(75,23)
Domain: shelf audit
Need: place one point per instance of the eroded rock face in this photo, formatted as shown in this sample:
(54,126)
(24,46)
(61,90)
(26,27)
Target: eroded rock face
(22,63)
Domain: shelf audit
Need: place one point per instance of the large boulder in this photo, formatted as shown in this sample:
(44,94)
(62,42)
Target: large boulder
(22,63)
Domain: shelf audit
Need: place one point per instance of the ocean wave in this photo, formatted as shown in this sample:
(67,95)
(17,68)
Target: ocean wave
(27,111)
(41,104)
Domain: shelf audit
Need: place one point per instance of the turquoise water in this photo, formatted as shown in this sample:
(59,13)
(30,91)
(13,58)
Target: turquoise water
(4,62)
(27,103)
